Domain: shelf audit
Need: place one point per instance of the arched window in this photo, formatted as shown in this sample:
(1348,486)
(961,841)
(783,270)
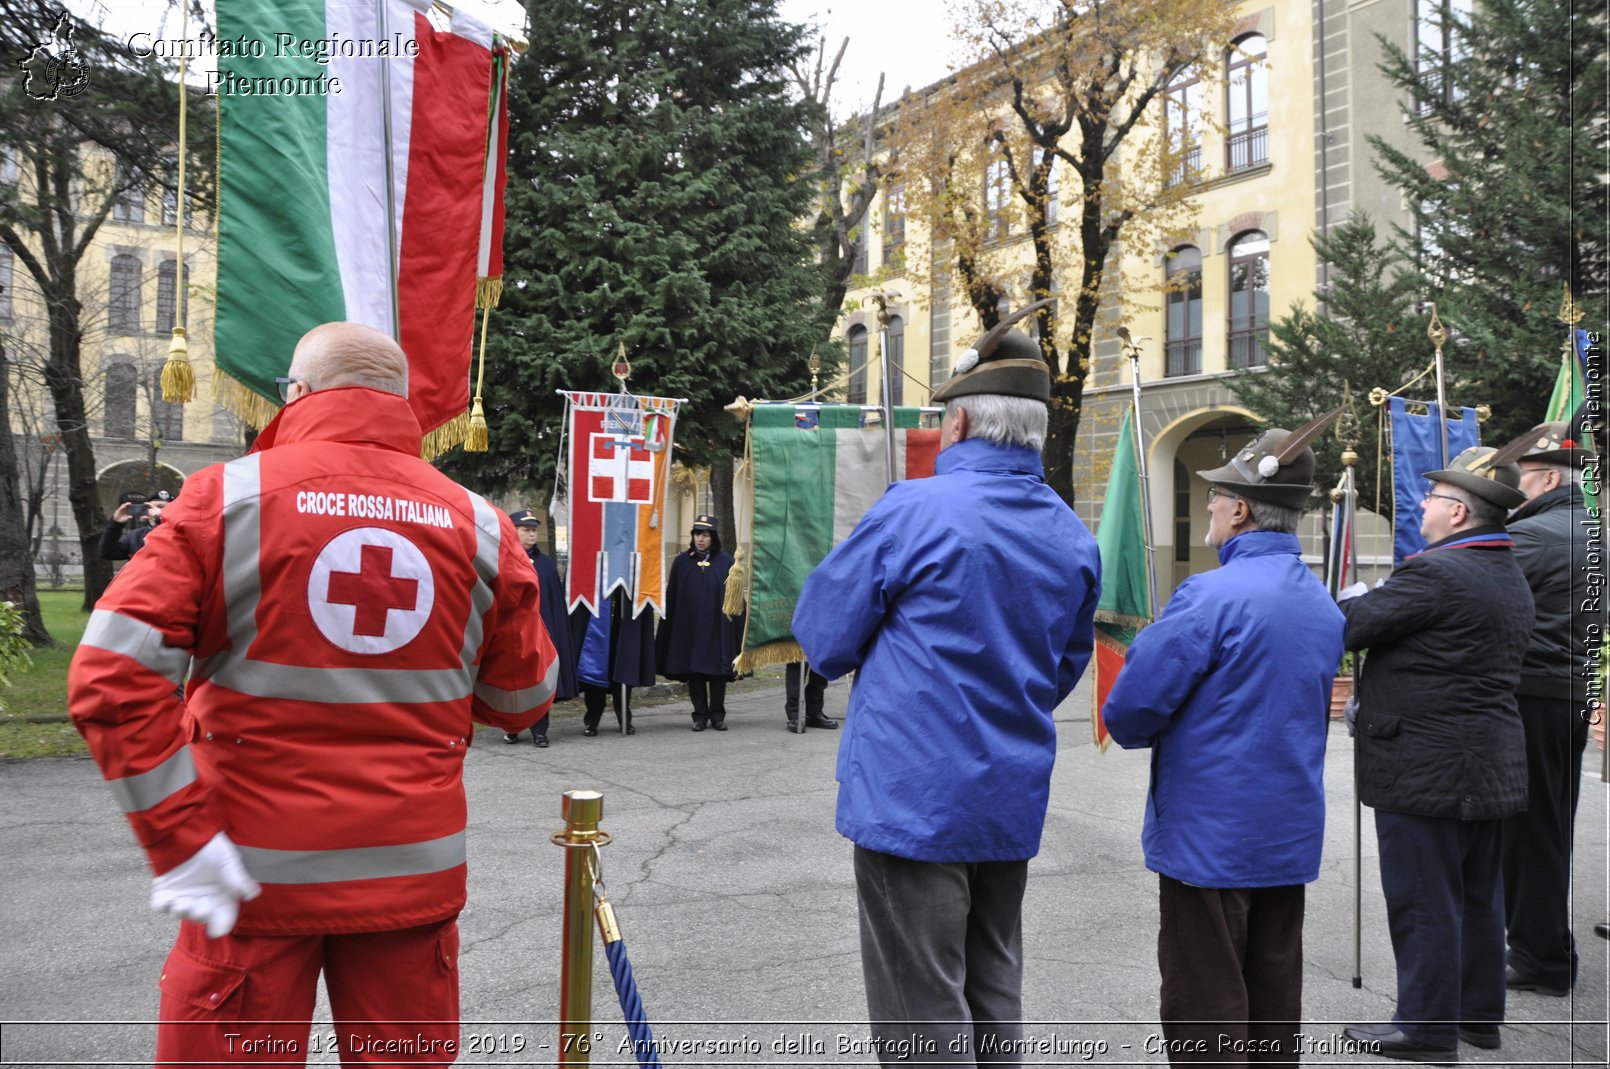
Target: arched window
(118,409)
(897,360)
(123,295)
(997,198)
(856,339)
(167,421)
(1182,111)
(1249,298)
(894,226)
(1247,97)
(1183,338)
(170,297)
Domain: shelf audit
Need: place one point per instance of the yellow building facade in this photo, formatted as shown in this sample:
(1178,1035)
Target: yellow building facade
(1279,129)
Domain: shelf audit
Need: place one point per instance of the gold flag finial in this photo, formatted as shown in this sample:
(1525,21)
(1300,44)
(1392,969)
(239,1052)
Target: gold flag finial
(623,367)
(1435,330)
(1570,312)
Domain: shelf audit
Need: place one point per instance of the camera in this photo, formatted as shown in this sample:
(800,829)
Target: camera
(137,509)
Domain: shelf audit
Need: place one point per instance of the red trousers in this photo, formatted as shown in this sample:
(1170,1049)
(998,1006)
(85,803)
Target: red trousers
(247,999)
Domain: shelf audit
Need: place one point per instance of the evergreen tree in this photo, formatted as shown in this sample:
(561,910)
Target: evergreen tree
(1508,104)
(1371,336)
(658,174)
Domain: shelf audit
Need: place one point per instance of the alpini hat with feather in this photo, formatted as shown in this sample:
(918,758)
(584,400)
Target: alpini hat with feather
(1277,467)
(1553,443)
(1004,361)
(1491,474)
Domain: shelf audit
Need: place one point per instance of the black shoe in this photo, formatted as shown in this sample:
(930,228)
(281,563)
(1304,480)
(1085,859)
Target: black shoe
(1484,1036)
(826,723)
(630,730)
(1517,982)
(1602,929)
(589,732)
(541,741)
(699,725)
(510,738)
(793,725)
(1387,1041)
(718,727)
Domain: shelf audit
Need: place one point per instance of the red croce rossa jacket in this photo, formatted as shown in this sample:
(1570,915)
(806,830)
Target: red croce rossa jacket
(338,612)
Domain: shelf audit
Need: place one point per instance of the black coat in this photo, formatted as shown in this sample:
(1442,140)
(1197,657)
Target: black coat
(557,621)
(696,638)
(1552,543)
(631,641)
(1439,734)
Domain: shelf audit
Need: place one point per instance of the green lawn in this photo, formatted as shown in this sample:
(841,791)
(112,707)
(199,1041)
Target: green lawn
(41,690)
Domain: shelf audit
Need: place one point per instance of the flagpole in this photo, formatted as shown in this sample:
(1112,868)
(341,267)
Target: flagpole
(1132,349)
(391,193)
(1350,510)
(1439,337)
(886,384)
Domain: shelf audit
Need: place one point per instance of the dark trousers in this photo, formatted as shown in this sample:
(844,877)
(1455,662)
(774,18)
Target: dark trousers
(815,689)
(1232,968)
(709,697)
(1537,843)
(942,956)
(1445,910)
(594,695)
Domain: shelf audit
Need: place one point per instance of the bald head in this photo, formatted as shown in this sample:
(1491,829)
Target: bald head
(349,354)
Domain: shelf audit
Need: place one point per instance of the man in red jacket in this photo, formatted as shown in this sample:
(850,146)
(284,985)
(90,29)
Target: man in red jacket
(339,613)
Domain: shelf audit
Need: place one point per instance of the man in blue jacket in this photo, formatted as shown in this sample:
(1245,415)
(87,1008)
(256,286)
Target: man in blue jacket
(965,603)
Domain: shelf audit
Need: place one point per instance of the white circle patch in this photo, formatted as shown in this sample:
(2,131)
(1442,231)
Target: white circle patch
(371,590)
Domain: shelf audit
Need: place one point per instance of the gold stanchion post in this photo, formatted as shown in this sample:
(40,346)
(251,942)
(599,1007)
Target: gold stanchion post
(582,811)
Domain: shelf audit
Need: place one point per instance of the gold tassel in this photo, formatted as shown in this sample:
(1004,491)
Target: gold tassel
(736,596)
(178,377)
(488,292)
(476,440)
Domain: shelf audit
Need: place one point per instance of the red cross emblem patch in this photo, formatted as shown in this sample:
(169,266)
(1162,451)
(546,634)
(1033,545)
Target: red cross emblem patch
(620,468)
(370,590)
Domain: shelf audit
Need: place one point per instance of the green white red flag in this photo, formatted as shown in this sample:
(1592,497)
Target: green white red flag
(302,213)
(1126,600)
(814,470)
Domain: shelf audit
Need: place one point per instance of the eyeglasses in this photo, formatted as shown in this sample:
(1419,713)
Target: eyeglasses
(1445,497)
(284,384)
(1214,493)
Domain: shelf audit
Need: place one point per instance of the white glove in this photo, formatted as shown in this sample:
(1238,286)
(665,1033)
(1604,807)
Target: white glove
(1349,592)
(208,888)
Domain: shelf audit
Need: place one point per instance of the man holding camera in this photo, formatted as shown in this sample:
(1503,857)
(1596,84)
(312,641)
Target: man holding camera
(136,517)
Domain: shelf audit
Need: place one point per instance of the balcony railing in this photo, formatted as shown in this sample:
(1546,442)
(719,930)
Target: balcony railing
(1190,163)
(1182,357)
(1247,148)
(1247,347)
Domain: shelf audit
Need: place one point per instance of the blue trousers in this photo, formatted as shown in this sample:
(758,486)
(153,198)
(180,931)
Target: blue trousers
(1445,908)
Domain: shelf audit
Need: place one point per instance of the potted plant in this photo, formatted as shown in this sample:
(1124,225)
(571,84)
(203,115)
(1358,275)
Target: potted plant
(1341,688)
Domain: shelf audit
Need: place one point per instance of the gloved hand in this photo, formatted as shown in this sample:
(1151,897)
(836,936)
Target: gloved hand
(208,888)
(1349,592)
(1350,714)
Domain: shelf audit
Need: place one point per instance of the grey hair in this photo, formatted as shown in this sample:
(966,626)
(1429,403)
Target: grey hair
(1570,474)
(999,418)
(1483,513)
(1277,518)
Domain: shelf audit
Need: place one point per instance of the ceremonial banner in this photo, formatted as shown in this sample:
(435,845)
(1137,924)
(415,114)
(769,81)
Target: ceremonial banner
(1417,449)
(1126,600)
(1338,557)
(1570,386)
(814,471)
(617,457)
(302,228)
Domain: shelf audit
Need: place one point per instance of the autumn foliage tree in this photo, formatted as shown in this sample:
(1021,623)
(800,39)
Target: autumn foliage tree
(1056,135)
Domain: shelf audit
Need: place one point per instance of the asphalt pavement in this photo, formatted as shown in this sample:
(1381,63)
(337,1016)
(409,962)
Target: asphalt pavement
(736,899)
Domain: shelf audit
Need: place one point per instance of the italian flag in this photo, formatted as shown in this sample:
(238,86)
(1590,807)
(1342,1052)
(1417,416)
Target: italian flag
(814,470)
(1126,598)
(303,233)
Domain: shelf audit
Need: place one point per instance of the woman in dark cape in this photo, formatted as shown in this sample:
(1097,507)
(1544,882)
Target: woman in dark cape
(697,642)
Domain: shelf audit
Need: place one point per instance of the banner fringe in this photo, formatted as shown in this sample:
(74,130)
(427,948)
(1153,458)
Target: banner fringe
(445,437)
(488,292)
(786,651)
(250,406)
(1120,619)
(735,599)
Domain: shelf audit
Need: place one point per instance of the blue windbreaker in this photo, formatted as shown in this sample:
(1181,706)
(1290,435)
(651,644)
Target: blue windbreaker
(966,603)
(1230,687)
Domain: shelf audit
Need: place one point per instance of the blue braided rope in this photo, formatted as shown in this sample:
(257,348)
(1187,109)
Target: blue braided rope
(632,1006)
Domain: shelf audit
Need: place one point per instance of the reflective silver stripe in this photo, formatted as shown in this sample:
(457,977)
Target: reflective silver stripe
(359,863)
(488,545)
(243,538)
(135,794)
(136,640)
(519,701)
(341,686)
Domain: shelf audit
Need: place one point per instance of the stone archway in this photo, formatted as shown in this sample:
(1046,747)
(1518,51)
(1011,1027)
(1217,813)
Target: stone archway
(135,476)
(1192,442)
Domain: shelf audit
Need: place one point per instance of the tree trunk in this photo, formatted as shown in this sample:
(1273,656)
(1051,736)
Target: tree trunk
(66,384)
(16,563)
